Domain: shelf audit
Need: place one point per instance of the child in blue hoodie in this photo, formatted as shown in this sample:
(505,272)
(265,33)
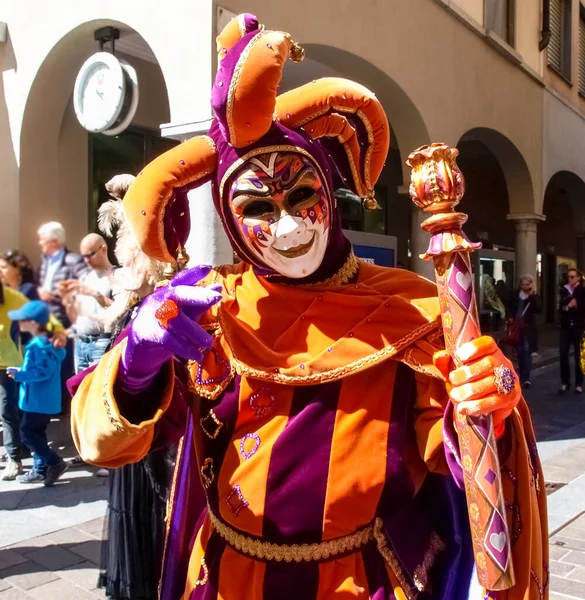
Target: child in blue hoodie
(40,392)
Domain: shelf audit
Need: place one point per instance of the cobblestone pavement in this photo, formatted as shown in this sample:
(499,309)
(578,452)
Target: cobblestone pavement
(50,538)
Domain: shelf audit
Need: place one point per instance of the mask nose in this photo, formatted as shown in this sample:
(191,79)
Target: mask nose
(287,229)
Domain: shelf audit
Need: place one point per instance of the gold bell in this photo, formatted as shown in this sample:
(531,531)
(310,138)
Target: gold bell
(370,203)
(182,259)
(296,51)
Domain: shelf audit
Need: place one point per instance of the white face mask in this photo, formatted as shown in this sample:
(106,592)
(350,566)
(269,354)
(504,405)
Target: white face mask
(280,204)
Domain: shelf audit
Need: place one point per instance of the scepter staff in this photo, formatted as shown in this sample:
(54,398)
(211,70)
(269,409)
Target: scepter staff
(437,186)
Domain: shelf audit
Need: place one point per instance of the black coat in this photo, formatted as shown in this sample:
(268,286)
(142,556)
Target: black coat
(533,306)
(574,317)
(71,267)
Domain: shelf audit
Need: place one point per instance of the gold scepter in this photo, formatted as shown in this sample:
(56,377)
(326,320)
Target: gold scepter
(437,186)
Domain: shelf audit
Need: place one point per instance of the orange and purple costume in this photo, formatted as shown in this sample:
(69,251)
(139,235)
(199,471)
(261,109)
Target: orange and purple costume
(319,457)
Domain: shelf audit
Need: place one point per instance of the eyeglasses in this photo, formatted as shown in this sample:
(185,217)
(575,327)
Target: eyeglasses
(91,254)
(573,276)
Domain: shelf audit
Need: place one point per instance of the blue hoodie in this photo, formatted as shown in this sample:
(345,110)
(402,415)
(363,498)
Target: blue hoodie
(40,377)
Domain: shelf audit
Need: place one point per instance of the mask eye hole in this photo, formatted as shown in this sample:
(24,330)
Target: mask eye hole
(299,195)
(257,209)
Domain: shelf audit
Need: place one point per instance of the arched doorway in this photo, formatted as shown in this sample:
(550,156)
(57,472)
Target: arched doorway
(498,183)
(561,240)
(408,131)
(62,167)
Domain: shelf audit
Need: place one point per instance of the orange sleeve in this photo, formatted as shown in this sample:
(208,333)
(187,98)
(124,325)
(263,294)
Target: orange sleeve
(102,435)
(431,401)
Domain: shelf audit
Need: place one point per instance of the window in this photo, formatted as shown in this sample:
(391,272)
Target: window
(499,18)
(559,48)
(582,51)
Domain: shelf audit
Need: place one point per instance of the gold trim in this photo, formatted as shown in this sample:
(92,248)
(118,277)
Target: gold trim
(242,25)
(234,82)
(262,550)
(421,573)
(339,372)
(209,391)
(371,140)
(105,393)
(205,578)
(347,271)
(209,476)
(387,554)
(211,415)
(169,508)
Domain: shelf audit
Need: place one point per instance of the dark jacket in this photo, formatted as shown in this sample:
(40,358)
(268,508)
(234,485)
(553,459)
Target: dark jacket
(71,267)
(574,317)
(532,305)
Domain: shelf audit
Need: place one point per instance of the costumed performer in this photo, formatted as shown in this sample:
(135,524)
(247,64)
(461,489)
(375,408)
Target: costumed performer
(319,458)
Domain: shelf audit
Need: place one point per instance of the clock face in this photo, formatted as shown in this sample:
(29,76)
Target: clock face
(99,92)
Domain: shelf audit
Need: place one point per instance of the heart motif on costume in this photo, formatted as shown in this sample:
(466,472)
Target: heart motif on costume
(221,362)
(463,280)
(258,405)
(498,540)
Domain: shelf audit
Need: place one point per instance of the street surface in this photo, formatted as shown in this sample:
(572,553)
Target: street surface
(50,538)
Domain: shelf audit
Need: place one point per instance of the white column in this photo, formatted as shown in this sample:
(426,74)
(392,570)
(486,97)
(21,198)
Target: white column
(207,242)
(526,248)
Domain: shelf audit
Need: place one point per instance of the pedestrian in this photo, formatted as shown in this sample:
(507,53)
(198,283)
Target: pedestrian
(11,356)
(40,391)
(86,299)
(16,271)
(523,307)
(58,264)
(572,311)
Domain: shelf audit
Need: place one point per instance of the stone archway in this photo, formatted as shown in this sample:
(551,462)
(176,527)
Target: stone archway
(561,239)
(54,160)
(500,199)
(408,131)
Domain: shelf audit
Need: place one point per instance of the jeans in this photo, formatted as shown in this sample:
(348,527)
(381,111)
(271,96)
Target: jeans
(88,353)
(570,336)
(34,435)
(67,371)
(10,415)
(524,359)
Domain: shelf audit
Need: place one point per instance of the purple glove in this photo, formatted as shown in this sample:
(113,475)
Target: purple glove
(150,344)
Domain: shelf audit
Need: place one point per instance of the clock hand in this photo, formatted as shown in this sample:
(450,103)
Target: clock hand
(100,94)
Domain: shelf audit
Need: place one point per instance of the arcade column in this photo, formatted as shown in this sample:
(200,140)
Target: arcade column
(526,247)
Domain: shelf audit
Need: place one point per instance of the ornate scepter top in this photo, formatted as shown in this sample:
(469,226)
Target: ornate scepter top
(437,186)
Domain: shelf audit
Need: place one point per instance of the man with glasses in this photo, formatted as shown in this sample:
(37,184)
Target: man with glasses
(572,310)
(87,298)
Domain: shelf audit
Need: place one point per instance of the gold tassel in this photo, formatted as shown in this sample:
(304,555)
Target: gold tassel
(296,51)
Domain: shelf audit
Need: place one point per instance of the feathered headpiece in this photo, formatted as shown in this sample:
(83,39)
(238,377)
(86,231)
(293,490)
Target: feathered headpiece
(337,123)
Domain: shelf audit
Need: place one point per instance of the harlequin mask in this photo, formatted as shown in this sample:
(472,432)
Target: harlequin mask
(273,160)
(280,205)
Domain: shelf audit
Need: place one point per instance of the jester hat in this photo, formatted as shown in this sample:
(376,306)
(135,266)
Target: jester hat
(336,123)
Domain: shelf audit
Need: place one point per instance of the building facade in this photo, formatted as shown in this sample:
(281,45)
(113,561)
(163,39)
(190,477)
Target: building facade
(474,74)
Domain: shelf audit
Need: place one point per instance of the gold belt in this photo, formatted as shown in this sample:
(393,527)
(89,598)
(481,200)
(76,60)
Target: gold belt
(292,552)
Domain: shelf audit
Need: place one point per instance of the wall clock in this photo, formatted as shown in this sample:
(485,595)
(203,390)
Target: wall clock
(105,96)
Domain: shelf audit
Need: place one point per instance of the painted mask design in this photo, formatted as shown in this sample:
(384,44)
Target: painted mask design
(280,203)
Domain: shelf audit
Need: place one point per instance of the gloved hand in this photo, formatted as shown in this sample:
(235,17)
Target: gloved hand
(473,387)
(167,325)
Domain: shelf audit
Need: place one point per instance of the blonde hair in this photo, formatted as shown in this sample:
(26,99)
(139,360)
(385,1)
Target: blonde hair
(139,270)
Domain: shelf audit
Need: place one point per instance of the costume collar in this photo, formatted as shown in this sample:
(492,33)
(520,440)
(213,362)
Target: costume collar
(309,335)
